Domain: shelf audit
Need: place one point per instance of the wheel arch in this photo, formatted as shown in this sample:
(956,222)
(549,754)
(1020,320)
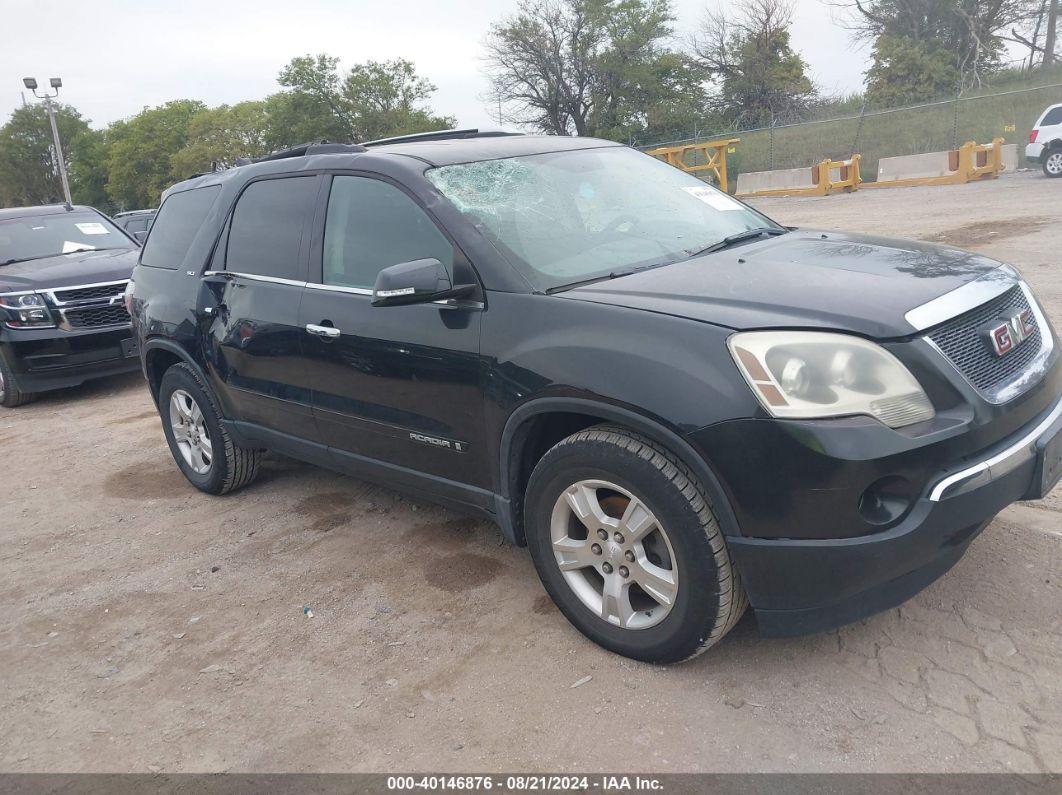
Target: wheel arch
(159,356)
(537,425)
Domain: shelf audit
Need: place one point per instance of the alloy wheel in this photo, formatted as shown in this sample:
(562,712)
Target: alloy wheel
(190,433)
(1054,163)
(3,386)
(614,554)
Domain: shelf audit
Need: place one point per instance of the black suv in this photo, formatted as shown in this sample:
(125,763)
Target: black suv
(678,405)
(63,273)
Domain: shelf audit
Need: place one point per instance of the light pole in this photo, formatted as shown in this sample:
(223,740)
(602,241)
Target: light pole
(56,83)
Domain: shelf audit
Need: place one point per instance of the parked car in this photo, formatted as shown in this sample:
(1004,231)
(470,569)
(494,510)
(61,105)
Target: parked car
(63,271)
(136,222)
(1045,142)
(678,404)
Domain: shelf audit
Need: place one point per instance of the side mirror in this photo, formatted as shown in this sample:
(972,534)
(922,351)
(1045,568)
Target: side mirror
(140,236)
(417,282)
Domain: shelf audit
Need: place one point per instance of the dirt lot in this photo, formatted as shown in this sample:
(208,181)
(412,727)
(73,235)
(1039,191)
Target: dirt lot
(149,627)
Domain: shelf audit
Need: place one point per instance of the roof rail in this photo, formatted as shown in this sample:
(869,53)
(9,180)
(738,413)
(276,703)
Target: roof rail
(321,147)
(439,135)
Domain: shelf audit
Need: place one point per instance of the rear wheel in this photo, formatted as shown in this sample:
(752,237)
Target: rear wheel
(1053,163)
(10,395)
(203,450)
(625,542)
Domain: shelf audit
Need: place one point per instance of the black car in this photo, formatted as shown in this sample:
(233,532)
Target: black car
(136,223)
(680,406)
(63,272)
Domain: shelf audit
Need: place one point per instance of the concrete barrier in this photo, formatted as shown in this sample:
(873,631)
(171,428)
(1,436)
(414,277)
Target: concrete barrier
(796,179)
(968,163)
(930,164)
(1008,154)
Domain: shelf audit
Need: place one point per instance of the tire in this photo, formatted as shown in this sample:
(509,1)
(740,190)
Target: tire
(1053,162)
(681,558)
(10,395)
(228,467)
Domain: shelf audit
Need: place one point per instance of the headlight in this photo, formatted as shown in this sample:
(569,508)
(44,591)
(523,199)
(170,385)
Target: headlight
(26,311)
(811,374)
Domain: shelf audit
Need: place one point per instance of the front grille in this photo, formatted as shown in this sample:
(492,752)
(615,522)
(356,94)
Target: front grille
(89,293)
(964,342)
(96,316)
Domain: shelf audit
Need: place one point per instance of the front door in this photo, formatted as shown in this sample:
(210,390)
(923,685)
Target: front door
(396,385)
(258,280)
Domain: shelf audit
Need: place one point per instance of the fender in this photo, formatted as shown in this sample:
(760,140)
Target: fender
(646,426)
(161,343)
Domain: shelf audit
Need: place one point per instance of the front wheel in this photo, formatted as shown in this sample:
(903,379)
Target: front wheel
(1053,163)
(10,395)
(625,542)
(203,450)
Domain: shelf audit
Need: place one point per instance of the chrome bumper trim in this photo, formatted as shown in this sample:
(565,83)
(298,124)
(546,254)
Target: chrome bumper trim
(999,464)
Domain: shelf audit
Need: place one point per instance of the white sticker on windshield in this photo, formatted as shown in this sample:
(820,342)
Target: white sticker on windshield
(69,247)
(92,228)
(717,199)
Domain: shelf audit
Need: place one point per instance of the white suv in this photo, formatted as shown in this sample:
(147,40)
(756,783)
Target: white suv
(1045,142)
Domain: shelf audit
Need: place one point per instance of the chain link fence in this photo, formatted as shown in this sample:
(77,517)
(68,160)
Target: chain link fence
(886,132)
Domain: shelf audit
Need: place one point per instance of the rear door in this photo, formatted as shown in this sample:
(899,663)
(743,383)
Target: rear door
(399,385)
(258,277)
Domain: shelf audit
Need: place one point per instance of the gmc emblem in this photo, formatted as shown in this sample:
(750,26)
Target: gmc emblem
(1011,332)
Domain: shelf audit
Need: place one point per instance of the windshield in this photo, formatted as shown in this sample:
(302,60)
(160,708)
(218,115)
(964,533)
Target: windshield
(569,217)
(62,233)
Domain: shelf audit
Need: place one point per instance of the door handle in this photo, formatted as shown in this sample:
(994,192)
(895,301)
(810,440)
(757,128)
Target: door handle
(327,332)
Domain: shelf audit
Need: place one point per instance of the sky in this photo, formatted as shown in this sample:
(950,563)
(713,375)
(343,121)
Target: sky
(116,57)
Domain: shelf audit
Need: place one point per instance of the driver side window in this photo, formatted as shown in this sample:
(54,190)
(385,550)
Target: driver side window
(372,225)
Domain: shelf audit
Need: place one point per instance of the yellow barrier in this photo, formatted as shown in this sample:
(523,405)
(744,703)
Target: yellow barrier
(713,152)
(822,181)
(969,163)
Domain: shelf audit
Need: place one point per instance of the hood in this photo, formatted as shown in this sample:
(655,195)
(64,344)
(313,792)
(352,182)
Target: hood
(66,270)
(803,279)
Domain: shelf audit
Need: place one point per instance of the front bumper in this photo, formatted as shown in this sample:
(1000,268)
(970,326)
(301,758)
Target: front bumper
(45,359)
(803,585)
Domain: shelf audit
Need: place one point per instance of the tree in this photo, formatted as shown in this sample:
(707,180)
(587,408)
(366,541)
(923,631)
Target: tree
(28,172)
(746,49)
(88,169)
(905,70)
(375,99)
(590,67)
(971,32)
(221,135)
(295,117)
(141,149)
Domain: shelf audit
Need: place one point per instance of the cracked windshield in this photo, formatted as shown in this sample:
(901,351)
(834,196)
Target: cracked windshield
(575,216)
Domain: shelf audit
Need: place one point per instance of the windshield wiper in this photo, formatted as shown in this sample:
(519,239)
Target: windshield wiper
(13,260)
(740,237)
(607,276)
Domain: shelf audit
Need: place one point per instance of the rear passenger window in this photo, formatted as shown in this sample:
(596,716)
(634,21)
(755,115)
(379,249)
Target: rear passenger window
(1053,117)
(265,236)
(372,225)
(176,226)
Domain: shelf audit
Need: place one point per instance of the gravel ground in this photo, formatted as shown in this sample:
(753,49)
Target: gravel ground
(150,627)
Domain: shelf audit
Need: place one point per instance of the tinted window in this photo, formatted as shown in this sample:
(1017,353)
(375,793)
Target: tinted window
(266,231)
(176,226)
(372,225)
(136,225)
(1053,117)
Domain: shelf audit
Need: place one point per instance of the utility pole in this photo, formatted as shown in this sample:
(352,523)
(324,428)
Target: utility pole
(1052,26)
(56,83)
